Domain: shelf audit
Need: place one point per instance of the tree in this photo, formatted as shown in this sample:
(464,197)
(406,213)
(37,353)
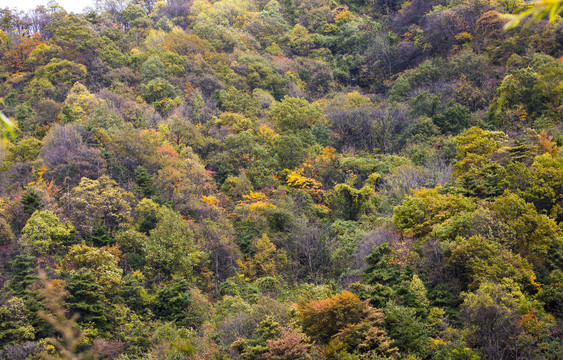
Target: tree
(56,78)
(290,346)
(98,202)
(31,201)
(176,302)
(349,203)
(491,316)
(22,270)
(152,68)
(266,261)
(85,299)
(479,260)
(386,274)
(300,41)
(324,318)
(144,181)
(527,232)
(290,151)
(68,158)
(420,212)
(14,322)
(44,234)
(237,101)
(409,331)
(102,264)
(540,184)
(161,94)
(131,13)
(347,325)
(294,114)
(354,128)
(527,94)
(6,233)
(79,104)
(170,248)
(453,120)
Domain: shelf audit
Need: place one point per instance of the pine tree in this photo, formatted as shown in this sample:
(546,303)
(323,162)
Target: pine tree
(85,299)
(144,182)
(100,237)
(31,201)
(173,299)
(23,274)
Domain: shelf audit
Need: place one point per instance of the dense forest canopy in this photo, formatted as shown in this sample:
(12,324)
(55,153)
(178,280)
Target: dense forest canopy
(282,180)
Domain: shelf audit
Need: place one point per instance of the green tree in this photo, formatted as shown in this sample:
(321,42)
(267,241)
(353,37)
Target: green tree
(527,232)
(144,181)
(44,234)
(79,104)
(453,120)
(491,317)
(290,151)
(31,201)
(237,101)
(407,329)
(479,260)
(56,78)
(350,203)
(22,269)
(170,248)
(294,114)
(176,302)
(152,68)
(161,94)
(14,322)
(420,212)
(386,277)
(85,299)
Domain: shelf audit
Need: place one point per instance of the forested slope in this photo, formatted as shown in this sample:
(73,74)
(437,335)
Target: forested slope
(293,179)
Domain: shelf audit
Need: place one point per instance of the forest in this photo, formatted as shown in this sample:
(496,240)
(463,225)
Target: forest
(282,180)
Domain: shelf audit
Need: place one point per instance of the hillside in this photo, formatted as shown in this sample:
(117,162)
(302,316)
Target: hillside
(281,180)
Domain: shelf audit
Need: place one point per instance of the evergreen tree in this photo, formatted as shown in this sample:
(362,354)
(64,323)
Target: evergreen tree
(144,181)
(100,237)
(31,201)
(85,299)
(23,274)
(173,299)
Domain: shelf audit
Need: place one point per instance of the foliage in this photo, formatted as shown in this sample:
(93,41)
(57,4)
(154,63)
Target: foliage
(43,233)
(170,247)
(297,179)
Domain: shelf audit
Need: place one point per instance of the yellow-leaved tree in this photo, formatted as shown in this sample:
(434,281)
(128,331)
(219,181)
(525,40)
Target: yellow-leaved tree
(267,260)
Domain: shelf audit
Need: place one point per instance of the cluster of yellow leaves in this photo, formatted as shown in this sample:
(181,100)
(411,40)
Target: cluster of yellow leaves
(311,186)
(267,260)
(255,202)
(266,133)
(356,99)
(547,144)
(296,180)
(211,200)
(342,14)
